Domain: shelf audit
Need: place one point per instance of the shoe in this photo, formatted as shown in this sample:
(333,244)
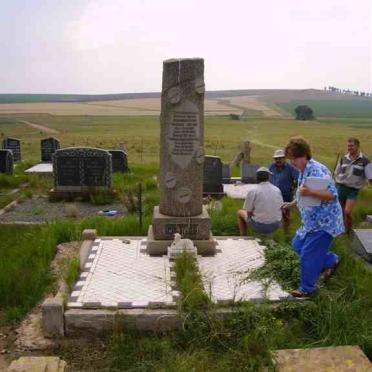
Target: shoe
(328,273)
(299,294)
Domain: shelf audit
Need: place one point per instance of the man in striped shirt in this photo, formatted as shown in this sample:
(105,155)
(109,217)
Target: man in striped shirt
(351,173)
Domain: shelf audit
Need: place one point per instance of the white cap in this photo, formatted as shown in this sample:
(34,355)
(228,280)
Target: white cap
(263,169)
(279,154)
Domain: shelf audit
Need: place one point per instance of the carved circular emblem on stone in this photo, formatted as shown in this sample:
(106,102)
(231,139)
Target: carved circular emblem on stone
(199,86)
(170,180)
(183,195)
(200,156)
(174,95)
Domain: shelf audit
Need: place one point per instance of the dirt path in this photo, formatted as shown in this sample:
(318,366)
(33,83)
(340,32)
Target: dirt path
(43,128)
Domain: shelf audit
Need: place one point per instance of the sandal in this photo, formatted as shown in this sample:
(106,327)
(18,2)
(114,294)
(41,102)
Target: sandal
(328,273)
(299,294)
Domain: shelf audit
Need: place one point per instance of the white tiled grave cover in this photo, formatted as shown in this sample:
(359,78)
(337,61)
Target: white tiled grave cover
(123,275)
(225,276)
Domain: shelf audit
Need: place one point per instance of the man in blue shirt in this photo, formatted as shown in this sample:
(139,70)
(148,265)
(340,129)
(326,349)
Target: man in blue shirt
(284,176)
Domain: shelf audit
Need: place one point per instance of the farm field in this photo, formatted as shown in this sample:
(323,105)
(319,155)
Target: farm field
(222,135)
(243,342)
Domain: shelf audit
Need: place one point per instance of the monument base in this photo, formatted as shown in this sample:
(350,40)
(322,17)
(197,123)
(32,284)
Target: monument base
(159,247)
(191,227)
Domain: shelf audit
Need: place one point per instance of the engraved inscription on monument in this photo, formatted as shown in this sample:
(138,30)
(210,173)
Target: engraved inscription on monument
(190,230)
(183,137)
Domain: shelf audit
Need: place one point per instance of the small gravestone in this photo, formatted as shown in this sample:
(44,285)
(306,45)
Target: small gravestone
(226,173)
(212,177)
(119,161)
(248,173)
(13,144)
(122,147)
(80,169)
(48,147)
(6,161)
(362,243)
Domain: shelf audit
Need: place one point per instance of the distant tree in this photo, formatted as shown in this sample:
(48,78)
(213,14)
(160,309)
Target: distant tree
(234,117)
(304,112)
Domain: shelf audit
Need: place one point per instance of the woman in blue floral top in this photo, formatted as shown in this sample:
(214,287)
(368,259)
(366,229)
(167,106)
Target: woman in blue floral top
(321,221)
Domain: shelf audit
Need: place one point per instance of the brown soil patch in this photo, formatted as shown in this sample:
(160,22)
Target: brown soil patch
(43,128)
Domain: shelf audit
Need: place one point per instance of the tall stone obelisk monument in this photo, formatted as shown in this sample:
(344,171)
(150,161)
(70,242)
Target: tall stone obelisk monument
(181,159)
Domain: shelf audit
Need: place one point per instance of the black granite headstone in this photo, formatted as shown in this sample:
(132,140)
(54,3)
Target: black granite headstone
(6,161)
(48,147)
(212,178)
(226,173)
(78,169)
(119,161)
(13,144)
(248,173)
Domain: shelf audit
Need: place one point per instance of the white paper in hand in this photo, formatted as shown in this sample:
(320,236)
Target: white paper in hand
(315,183)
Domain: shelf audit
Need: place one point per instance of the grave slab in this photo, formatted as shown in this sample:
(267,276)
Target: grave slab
(120,274)
(225,276)
(237,191)
(362,243)
(44,168)
(36,364)
(323,359)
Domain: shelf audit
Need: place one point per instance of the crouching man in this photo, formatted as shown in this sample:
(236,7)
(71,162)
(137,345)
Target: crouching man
(262,206)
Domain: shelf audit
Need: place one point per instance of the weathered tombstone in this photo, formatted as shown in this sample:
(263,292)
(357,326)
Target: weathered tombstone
(212,178)
(119,161)
(122,147)
(81,169)
(181,159)
(248,173)
(244,156)
(226,173)
(48,147)
(362,243)
(13,144)
(6,161)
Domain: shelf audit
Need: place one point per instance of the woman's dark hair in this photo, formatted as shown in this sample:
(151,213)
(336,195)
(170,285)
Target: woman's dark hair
(297,147)
(262,176)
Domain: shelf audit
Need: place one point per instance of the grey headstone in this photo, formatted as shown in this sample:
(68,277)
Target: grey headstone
(362,243)
(48,147)
(212,178)
(119,161)
(13,144)
(226,173)
(248,173)
(6,161)
(182,137)
(181,160)
(78,169)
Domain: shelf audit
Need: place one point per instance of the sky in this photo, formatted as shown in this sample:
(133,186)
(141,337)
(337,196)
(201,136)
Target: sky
(118,46)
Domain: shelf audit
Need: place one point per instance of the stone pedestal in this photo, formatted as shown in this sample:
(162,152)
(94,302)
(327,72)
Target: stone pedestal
(157,247)
(181,157)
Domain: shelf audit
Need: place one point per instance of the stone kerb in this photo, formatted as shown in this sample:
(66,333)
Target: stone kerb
(82,169)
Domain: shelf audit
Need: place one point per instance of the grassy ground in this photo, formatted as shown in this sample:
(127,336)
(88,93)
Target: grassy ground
(222,136)
(338,314)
